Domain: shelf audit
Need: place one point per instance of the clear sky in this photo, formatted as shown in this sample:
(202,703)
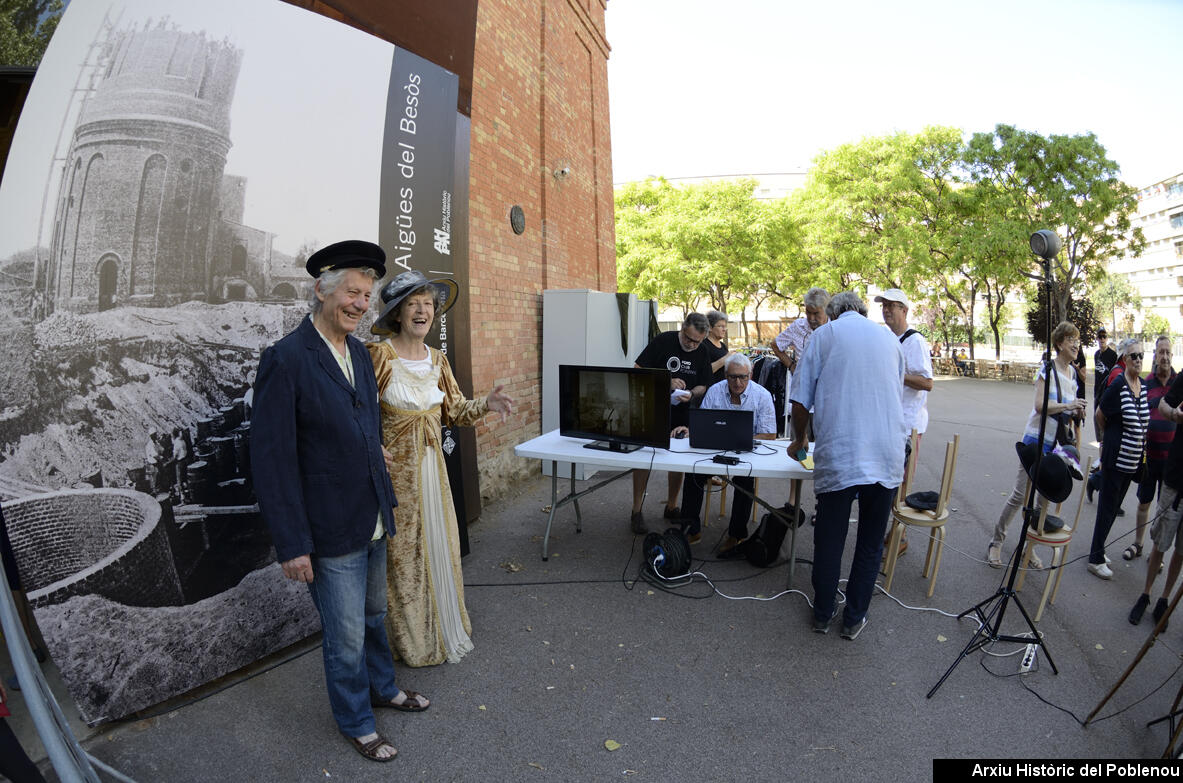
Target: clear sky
(760,86)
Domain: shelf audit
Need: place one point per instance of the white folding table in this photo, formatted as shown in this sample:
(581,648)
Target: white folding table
(768,461)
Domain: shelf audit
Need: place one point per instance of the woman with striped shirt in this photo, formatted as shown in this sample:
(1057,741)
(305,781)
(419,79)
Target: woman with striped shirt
(1123,416)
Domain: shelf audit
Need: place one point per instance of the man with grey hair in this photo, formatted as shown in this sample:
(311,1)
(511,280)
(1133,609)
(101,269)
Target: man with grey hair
(683,354)
(321,476)
(736,392)
(852,374)
(790,344)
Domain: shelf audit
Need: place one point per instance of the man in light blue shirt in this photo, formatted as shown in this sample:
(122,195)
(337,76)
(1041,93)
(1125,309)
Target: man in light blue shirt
(852,374)
(736,392)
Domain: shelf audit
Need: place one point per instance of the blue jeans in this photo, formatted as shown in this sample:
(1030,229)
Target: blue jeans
(350,594)
(829,539)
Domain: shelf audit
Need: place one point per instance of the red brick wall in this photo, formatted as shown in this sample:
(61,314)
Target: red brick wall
(540,103)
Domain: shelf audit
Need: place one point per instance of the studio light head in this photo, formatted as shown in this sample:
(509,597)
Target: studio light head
(1045,244)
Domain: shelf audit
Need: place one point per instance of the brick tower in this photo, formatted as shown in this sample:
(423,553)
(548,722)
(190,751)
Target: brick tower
(138,208)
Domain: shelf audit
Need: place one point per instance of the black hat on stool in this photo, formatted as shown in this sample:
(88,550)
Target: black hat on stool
(350,254)
(1054,481)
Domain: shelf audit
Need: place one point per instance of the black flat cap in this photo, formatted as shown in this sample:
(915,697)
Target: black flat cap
(350,254)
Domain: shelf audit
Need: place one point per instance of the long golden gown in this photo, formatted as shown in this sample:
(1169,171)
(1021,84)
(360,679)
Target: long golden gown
(426,619)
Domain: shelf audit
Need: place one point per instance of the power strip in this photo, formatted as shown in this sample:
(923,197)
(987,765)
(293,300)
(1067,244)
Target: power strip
(1028,661)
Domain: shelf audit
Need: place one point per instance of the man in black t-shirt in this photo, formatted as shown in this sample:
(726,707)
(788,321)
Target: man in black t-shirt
(1103,360)
(683,354)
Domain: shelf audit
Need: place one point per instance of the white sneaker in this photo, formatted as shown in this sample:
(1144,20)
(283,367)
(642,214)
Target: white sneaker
(1107,560)
(1100,570)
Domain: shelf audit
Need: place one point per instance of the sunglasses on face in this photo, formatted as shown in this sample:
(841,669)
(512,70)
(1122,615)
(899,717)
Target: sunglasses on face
(1137,356)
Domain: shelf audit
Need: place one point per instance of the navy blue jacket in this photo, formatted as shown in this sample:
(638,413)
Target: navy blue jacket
(316,448)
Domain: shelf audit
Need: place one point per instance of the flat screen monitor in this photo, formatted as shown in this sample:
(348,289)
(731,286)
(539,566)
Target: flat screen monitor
(619,408)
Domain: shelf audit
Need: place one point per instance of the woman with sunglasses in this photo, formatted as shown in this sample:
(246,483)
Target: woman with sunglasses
(1122,416)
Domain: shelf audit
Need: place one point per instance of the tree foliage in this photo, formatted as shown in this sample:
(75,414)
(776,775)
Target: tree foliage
(1064,183)
(25,29)
(1079,311)
(1154,326)
(711,241)
(1113,293)
(945,219)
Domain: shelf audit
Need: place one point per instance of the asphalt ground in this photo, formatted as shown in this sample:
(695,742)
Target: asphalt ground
(575,655)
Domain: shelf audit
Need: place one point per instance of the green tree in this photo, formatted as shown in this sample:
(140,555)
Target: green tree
(782,269)
(1080,312)
(1153,326)
(1111,293)
(679,245)
(646,264)
(858,198)
(1064,183)
(896,211)
(25,29)
(994,249)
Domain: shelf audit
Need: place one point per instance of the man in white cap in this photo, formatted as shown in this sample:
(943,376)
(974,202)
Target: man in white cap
(917,367)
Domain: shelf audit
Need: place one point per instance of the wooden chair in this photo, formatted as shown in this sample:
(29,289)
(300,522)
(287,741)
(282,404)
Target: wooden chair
(903,514)
(1058,540)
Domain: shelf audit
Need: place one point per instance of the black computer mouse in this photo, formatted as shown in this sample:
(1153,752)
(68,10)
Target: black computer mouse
(681,434)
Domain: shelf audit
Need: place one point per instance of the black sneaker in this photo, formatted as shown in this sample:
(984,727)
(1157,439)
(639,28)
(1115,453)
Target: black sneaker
(636,523)
(851,632)
(672,513)
(1160,608)
(1139,609)
(823,626)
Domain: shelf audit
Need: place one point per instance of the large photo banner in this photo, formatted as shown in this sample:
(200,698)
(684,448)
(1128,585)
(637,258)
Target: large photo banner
(174,166)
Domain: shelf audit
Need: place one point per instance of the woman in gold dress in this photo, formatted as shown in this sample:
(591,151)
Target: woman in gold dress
(427,621)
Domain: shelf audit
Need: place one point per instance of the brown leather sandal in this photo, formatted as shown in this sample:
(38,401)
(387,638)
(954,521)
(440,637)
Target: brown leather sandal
(411,704)
(370,749)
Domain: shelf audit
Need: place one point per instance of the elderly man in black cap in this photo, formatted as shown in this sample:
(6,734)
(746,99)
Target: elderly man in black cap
(321,477)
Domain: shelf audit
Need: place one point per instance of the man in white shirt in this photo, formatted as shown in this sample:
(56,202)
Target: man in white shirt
(917,367)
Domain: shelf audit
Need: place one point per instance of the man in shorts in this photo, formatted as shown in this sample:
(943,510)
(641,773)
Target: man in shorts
(1164,530)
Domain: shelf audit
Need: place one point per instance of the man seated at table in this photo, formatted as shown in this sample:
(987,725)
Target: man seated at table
(736,392)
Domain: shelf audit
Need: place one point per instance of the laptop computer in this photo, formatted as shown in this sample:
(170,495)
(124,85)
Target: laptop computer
(721,430)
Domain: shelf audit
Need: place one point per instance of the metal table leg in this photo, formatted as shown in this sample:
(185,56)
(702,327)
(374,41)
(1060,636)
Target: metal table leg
(571,497)
(794,494)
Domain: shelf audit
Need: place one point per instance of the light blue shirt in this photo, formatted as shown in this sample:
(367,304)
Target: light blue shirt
(755,398)
(852,374)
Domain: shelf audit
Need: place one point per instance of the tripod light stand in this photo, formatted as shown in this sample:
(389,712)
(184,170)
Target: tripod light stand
(991,611)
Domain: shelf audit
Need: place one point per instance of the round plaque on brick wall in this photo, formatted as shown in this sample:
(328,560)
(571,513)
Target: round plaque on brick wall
(517,219)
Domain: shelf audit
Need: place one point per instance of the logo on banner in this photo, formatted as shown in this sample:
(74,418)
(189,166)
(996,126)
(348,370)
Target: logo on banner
(443,235)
